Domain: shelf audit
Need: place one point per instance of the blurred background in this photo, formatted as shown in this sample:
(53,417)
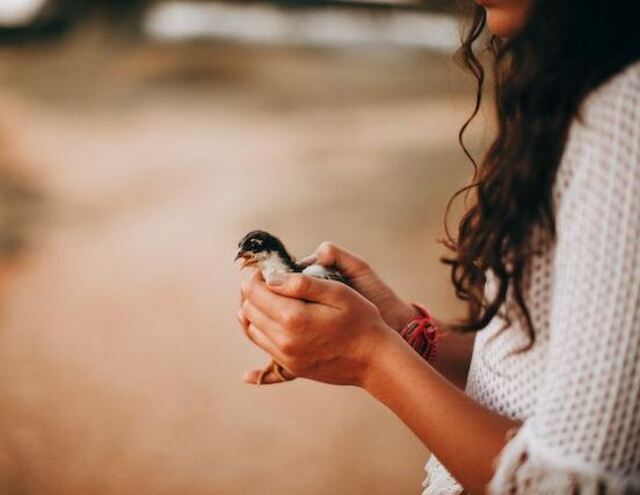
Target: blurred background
(138,142)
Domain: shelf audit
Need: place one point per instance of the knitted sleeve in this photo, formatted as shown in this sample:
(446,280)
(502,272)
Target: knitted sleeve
(584,436)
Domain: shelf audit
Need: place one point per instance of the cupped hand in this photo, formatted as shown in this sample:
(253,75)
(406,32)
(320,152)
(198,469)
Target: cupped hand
(395,312)
(317,329)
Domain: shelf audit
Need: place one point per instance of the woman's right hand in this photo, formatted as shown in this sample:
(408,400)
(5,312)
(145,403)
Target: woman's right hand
(395,312)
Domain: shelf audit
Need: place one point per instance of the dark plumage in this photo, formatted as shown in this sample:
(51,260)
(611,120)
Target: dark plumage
(267,253)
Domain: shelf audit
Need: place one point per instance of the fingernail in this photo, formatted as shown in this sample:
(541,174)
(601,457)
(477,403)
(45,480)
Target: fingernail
(310,260)
(276,279)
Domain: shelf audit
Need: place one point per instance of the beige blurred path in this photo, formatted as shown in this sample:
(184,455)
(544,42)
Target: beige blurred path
(120,359)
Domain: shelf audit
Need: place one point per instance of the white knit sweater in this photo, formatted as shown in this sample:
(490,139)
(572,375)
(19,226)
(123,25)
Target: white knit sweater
(577,390)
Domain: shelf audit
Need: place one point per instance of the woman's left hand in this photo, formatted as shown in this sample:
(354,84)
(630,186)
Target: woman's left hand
(317,329)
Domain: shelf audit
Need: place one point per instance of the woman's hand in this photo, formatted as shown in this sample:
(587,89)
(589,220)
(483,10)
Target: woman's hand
(395,312)
(317,329)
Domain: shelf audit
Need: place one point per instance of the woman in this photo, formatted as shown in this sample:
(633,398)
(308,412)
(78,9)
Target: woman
(548,259)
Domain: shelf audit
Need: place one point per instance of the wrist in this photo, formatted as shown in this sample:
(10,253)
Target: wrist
(389,349)
(402,314)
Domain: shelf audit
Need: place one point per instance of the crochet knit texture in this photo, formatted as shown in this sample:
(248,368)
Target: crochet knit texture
(577,390)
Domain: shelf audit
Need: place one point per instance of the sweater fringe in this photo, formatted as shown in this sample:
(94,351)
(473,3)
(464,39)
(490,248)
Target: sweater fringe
(525,466)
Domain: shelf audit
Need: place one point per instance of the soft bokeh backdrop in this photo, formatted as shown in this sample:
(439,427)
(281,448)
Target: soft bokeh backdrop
(134,165)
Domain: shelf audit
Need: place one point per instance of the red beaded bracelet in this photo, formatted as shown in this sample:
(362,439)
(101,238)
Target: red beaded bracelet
(422,333)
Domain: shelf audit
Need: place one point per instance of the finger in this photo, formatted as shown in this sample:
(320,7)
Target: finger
(270,378)
(256,276)
(328,254)
(266,324)
(244,322)
(307,288)
(262,340)
(273,305)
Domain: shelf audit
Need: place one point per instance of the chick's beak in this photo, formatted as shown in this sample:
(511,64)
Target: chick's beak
(245,257)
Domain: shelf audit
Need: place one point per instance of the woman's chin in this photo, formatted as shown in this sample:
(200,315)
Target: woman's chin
(505,21)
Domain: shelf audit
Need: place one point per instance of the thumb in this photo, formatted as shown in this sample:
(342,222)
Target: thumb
(303,287)
(328,254)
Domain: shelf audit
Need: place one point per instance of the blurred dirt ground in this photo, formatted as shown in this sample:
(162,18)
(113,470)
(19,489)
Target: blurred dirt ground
(120,359)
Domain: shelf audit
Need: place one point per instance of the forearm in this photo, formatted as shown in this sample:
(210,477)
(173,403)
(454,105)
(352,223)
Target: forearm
(465,436)
(454,355)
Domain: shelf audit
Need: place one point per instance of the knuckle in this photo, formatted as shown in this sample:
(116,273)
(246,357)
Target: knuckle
(332,251)
(301,285)
(292,319)
(300,322)
(340,290)
(245,309)
(247,287)
(358,264)
(240,317)
(327,248)
(288,346)
(361,264)
(249,332)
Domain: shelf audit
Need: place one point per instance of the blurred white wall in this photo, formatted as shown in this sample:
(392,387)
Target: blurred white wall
(184,20)
(19,12)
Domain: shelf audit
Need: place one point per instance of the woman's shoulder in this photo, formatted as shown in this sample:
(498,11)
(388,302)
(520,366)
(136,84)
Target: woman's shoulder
(627,79)
(602,156)
(618,95)
(607,126)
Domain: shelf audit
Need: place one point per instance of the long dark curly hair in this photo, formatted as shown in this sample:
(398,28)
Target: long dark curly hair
(541,75)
